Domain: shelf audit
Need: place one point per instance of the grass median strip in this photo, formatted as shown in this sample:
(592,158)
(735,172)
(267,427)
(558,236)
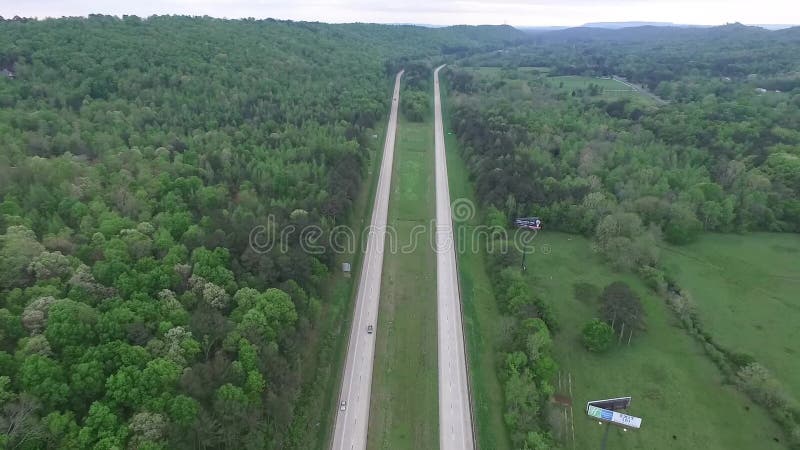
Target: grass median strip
(404,401)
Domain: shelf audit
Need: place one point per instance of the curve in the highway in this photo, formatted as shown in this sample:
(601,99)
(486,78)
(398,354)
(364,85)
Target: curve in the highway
(350,431)
(455,414)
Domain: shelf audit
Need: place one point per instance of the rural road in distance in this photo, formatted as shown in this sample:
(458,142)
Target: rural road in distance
(350,431)
(455,416)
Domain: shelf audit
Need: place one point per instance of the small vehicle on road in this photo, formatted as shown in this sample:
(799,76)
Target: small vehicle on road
(343,405)
(370,329)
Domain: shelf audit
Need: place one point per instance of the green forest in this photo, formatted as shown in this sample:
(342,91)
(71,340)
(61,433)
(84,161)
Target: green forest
(727,161)
(136,156)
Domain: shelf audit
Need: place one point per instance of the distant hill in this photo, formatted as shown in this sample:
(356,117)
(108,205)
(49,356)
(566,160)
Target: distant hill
(542,28)
(791,34)
(618,25)
(485,34)
(657,33)
(775,26)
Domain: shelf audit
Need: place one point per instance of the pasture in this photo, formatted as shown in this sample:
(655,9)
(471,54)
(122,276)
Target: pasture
(676,389)
(610,89)
(745,289)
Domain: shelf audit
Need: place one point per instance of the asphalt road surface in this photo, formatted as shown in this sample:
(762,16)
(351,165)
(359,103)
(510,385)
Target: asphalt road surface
(351,424)
(455,417)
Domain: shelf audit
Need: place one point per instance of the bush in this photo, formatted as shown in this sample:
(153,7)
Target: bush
(654,278)
(740,360)
(415,105)
(495,218)
(756,380)
(597,336)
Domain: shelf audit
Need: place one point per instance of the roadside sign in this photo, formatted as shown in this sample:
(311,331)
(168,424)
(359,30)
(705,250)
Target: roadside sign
(614,404)
(614,417)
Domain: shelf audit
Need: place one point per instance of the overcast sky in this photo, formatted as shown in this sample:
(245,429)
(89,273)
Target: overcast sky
(439,12)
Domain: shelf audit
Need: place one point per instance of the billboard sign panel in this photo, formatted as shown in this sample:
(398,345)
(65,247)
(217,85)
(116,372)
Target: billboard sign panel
(613,404)
(614,417)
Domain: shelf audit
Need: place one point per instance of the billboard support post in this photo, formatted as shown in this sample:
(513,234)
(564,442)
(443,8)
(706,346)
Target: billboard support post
(605,436)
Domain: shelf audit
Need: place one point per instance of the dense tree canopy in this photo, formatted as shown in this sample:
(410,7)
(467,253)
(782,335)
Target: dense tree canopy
(136,155)
(654,55)
(723,163)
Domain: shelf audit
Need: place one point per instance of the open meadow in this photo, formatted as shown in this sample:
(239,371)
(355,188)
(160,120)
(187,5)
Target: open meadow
(610,89)
(676,389)
(745,289)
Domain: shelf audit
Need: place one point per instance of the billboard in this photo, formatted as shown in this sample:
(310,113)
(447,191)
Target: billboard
(613,404)
(614,417)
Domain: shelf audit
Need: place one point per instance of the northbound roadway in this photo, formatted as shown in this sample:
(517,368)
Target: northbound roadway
(351,424)
(455,416)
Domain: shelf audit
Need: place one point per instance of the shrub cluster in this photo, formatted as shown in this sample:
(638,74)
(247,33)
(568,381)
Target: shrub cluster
(528,366)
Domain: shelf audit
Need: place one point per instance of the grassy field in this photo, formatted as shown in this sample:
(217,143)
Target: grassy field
(535,69)
(675,387)
(571,82)
(480,312)
(489,71)
(746,289)
(404,410)
(611,89)
(516,82)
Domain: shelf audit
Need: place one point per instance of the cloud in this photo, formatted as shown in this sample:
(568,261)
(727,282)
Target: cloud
(516,12)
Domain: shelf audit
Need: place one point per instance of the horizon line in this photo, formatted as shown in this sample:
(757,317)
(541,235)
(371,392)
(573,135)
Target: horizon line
(427,25)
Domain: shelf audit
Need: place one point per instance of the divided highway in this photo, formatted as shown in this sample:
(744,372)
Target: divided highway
(350,431)
(455,417)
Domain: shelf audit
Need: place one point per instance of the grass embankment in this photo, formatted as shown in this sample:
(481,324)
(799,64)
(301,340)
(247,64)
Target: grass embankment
(324,356)
(745,291)
(404,410)
(676,389)
(481,315)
